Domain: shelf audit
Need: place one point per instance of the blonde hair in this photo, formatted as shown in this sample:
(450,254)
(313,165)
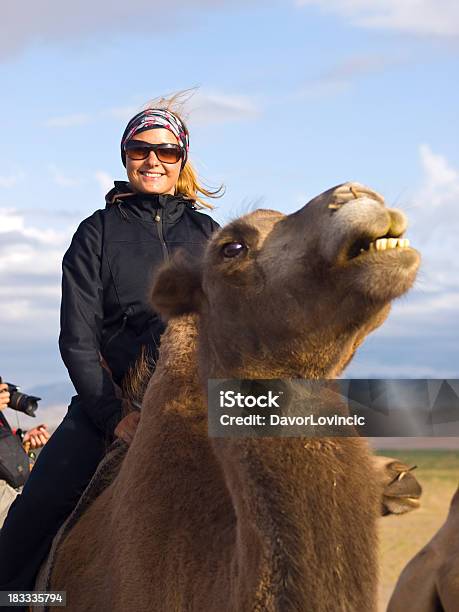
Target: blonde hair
(188,183)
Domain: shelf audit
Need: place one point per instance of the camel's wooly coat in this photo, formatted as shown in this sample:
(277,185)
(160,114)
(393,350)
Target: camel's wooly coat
(248,525)
(430,581)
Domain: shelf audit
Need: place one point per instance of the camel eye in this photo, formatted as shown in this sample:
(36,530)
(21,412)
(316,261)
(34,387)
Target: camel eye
(233,249)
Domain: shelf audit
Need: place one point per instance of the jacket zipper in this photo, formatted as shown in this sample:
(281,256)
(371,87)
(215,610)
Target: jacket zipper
(121,210)
(119,331)
(159,221)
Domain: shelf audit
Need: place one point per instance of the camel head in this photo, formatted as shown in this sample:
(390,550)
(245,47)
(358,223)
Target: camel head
(293,295)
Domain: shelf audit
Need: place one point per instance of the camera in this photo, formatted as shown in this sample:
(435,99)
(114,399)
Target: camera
(21,402)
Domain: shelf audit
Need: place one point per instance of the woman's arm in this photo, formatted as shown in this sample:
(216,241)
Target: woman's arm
(81,325)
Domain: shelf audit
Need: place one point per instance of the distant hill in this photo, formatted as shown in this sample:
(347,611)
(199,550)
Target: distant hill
(440,443)
(54,394)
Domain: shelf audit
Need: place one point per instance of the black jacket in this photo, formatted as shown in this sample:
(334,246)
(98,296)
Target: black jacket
(107,274)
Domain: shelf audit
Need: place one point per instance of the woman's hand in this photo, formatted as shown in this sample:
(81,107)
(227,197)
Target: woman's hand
(36,437)
(4,396)
(127,427)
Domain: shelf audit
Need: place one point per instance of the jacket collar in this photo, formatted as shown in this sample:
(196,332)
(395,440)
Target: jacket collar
(145,205)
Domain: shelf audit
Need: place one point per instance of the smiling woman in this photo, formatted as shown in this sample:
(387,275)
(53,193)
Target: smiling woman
(153,161)
(107,323)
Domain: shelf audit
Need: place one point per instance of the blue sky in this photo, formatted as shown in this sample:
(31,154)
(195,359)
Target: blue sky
(293,98)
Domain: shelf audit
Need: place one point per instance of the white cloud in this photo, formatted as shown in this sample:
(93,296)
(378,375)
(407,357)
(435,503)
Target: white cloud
(340,78)
(424,17)
(420,310)
(60,22)
(13,224)
(217,107)
(431,309)
(62,179)
(68,120)
(30,262)
(77,119)
(11,180)
(441,181)
(323,88)
(359,65)
(198,107)
(434,215)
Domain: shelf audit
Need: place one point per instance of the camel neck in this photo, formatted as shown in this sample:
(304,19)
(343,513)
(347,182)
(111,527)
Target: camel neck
(266,512)
(227,360)
(288,496)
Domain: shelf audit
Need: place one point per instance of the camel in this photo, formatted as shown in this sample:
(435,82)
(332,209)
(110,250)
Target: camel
(430,581)
(253,524)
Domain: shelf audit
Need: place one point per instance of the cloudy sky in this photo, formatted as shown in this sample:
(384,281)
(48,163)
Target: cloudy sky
(293,97)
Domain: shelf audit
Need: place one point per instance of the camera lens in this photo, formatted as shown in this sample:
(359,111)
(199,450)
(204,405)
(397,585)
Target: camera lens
(21,402)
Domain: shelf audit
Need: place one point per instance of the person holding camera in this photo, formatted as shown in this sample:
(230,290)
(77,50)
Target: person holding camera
(11,397)
(14,462)
(7,492)
(106,320)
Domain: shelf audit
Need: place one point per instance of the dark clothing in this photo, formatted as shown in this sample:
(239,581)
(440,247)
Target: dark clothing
(60,474)
(14,462)
(105,312)
(107,273)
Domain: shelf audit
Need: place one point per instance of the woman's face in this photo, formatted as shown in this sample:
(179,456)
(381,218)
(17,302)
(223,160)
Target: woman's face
(150,175)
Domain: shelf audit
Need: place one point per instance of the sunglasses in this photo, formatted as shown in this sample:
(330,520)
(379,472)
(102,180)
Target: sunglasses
(165,152)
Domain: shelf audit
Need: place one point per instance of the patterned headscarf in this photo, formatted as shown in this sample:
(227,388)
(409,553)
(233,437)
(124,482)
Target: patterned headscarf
(157,118)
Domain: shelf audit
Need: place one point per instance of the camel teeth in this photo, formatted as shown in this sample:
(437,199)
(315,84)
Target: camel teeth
(382,244)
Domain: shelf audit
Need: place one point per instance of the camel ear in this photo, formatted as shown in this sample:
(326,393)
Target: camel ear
(177,287)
